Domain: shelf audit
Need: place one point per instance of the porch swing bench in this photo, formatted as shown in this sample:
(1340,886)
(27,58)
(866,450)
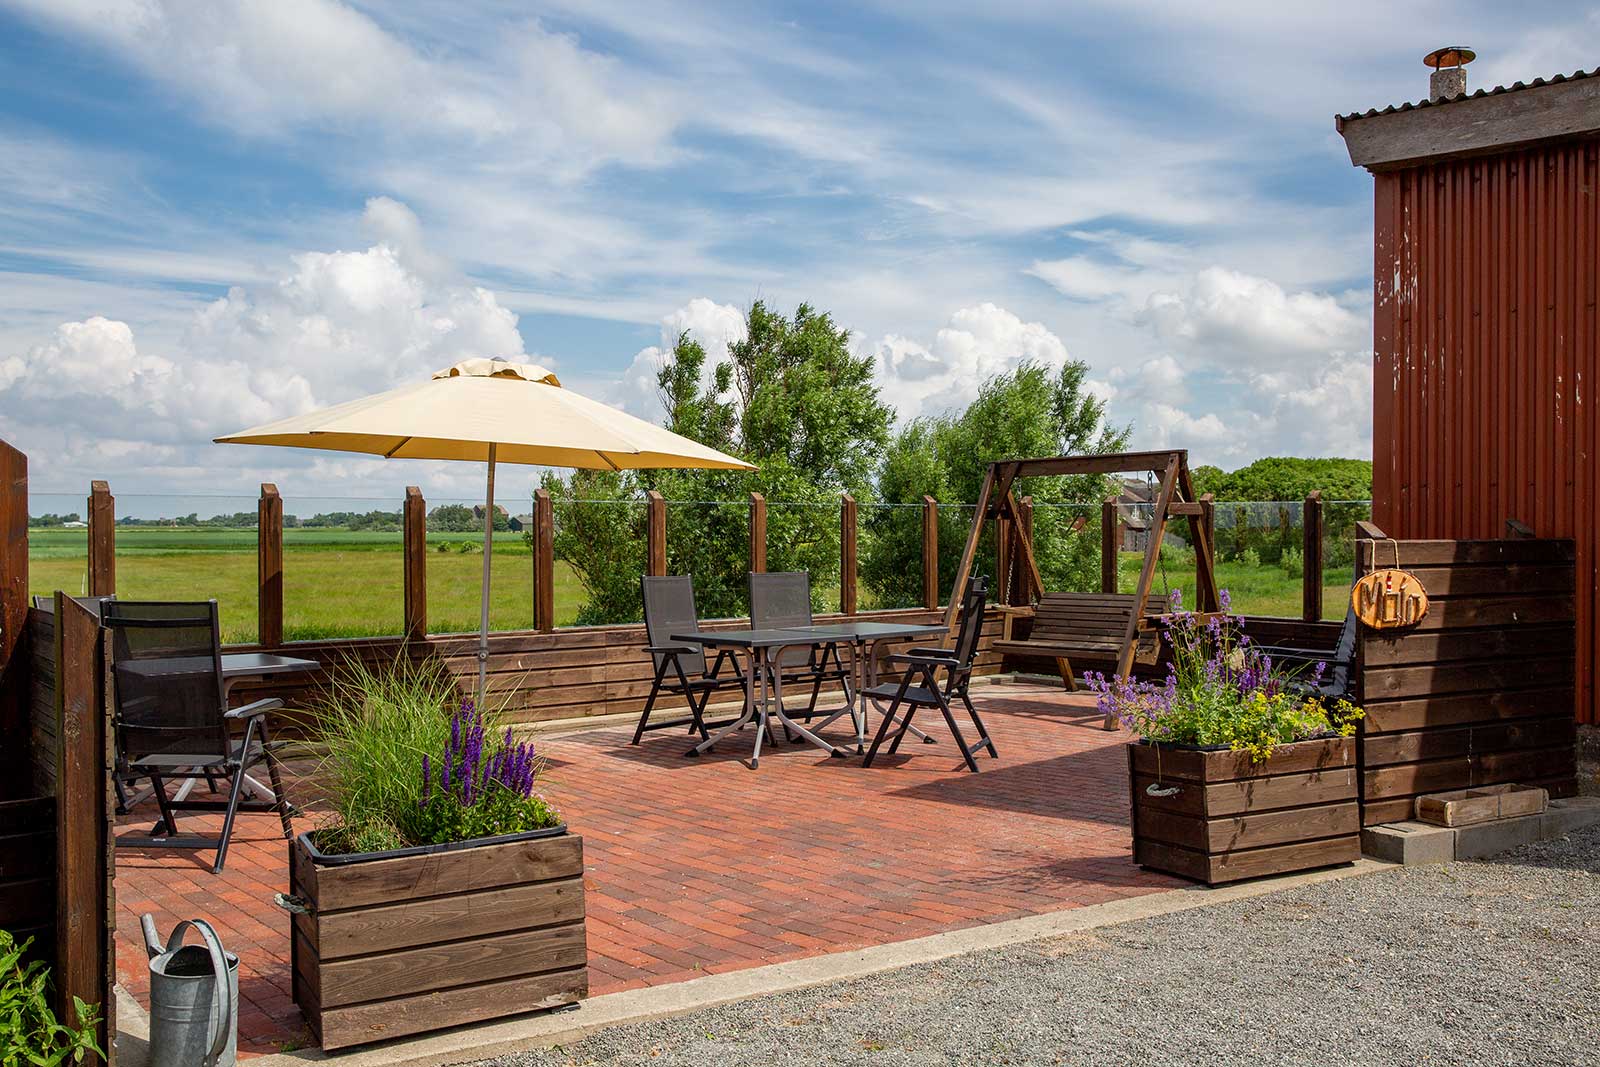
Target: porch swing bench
(1117,628)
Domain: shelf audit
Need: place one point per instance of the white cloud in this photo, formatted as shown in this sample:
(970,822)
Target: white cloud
(976,344)
(714,325)
(91,402)
(1238,319)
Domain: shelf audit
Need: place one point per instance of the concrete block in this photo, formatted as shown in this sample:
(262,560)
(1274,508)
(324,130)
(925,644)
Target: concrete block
(1565,816)
(1485,839)
(1409,842)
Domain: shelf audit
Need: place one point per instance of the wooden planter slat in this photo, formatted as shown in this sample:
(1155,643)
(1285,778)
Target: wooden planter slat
(1231,818)
(416,943)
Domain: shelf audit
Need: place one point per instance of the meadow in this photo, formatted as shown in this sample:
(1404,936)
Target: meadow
(347,583)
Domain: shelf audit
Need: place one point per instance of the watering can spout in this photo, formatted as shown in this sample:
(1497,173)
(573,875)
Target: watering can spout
(152,940)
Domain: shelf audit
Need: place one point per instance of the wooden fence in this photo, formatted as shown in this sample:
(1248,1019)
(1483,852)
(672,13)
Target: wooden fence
(1481,691)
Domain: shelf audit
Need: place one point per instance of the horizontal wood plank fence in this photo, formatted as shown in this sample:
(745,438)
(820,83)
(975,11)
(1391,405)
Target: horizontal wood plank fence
(1481,692)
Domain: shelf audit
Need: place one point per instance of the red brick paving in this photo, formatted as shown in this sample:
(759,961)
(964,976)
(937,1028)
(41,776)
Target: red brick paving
(698,866)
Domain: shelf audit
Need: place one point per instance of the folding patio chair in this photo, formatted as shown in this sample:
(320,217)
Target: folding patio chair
(921,667)
(173,723)
(781,600)
(669,608)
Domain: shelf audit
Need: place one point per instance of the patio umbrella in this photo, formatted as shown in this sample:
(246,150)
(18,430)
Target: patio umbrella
(493,411)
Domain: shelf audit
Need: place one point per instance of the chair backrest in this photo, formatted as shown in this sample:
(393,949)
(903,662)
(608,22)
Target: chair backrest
(166,668)
(1341,665)
(970,627)
(780,599)
(668,609)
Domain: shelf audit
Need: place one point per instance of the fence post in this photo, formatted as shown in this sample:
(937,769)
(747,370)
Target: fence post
(930,553)
(1311,558)
(15,661)
(83,828)
(1208,522)
(414,542)
(656,534)
(1002,558)
(269,567)
(102,540)
(847,554)
(1108,545)
(758,533)
(1019,587)
(544,561)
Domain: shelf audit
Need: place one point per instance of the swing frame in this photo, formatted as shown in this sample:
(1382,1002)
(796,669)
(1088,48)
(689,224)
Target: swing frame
(1175,498)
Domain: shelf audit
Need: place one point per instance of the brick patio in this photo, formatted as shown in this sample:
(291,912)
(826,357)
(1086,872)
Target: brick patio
(700,866)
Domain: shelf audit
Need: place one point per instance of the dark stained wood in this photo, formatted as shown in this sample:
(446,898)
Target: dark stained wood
(28,873)
(758,533)
(418,943)
(930,554)
(102,519)
(1109,463)
(1220,817)
(1311,557)
(85,965)
(970,549)
(1023,530)
(544,561)
(1483,691)
(269,567)
(656,533)
(414,543)
(849,531)
(15,656)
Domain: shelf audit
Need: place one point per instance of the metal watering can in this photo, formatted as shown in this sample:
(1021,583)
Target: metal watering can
(194,998)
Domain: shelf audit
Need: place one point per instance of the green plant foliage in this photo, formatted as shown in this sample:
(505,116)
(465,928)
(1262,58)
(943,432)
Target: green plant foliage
(792,399)
(1029,412)
(1259,506)
(388,733)
(1221,690)
(29,1030)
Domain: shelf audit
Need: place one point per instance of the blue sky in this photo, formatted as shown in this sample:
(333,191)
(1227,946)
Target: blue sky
(216,213)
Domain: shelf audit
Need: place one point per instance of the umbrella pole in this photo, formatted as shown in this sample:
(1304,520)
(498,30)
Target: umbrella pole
(483,609)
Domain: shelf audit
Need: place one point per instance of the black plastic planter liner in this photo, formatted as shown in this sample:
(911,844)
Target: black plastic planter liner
(323,859)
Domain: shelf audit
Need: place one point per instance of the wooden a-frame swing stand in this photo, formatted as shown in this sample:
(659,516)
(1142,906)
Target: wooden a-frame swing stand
(1106,625)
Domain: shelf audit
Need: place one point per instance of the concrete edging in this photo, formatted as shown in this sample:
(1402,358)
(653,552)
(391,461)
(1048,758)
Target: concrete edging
(487,1040)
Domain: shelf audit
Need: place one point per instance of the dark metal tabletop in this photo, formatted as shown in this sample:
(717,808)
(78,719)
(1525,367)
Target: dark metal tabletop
(252,664)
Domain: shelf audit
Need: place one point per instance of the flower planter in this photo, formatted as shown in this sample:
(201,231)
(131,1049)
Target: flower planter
(402,944)
(1218,817)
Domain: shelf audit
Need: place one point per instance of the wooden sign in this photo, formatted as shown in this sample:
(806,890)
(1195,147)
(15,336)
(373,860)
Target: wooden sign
(1388,599)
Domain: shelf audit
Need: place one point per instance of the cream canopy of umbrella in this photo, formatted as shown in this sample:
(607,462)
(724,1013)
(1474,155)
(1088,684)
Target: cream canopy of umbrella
(492,411)
(519,409)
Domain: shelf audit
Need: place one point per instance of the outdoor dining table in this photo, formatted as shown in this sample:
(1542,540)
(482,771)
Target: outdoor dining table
(762,648)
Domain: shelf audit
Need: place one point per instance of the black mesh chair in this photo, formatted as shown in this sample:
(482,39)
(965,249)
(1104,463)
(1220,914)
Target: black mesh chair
(781,600)
(1338,683)
(680,669)
(920,688)
(173,723)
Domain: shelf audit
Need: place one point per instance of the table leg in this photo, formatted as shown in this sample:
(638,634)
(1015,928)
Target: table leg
(774,657)
(743,720)
(260,790)
(871,666)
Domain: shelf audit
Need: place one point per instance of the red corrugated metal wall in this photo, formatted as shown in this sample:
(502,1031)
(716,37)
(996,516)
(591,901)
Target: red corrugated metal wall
(1484,327)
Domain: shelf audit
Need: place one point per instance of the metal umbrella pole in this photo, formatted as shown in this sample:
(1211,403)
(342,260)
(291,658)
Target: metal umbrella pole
(483,614)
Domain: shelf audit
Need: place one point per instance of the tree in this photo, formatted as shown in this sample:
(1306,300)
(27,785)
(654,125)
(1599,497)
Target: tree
(1259,505)
(1029,412)
(792,399)
(453,518)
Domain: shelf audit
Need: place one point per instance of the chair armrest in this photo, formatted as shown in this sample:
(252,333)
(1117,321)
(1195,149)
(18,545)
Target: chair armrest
(947,660)
(254,710)
(1019,610)
(666,650)
(943,653)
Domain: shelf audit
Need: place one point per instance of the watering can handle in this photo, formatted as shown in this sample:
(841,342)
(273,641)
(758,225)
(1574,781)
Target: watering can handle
(219,967)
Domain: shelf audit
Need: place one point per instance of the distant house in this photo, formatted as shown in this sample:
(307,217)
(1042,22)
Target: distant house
(521,522)
(1135,506)
(477,512)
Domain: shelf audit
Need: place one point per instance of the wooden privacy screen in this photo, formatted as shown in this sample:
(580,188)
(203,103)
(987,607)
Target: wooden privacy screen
(1481,691)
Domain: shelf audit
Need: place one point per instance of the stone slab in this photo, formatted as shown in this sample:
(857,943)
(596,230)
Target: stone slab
(1409,842)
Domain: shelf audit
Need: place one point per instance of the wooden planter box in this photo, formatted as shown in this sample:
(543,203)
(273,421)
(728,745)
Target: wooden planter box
(1228,818)
(414,943)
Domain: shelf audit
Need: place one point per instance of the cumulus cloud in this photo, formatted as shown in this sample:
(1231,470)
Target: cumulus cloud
(977,343)
(714,325)
(1234,318)
(91,401)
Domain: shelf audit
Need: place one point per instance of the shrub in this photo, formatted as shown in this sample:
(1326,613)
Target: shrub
(408,762)
(29,1030)
(1222,691)
(1292,563)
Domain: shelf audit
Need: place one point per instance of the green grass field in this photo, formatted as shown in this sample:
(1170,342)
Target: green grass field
(344,583)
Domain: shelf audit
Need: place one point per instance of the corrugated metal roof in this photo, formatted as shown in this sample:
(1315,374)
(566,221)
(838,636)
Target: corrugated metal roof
(1498,90)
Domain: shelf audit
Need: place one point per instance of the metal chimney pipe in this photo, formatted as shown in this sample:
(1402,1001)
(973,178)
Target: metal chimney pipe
(1449,77)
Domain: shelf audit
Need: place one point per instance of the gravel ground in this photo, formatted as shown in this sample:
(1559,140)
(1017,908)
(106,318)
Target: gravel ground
(1469,963)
